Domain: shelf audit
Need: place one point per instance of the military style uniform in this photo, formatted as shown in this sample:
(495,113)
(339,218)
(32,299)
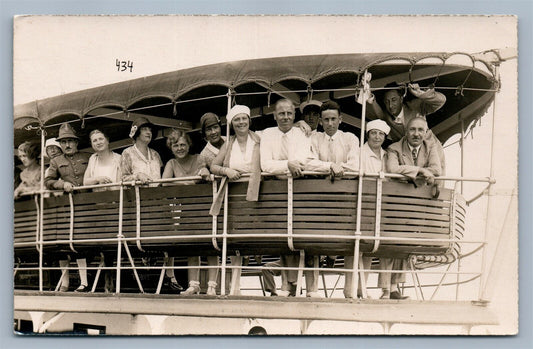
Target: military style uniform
(66,168)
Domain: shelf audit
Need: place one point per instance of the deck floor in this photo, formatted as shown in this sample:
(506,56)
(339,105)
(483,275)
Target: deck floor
(301,308)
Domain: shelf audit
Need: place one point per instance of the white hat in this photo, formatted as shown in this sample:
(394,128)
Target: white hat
(378,125)
(310,102)
(236,110)
(51,141)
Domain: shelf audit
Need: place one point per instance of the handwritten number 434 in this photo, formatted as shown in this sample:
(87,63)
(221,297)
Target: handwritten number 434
(124,65)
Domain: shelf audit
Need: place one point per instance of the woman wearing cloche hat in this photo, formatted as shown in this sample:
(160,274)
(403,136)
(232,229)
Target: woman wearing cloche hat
(139,162)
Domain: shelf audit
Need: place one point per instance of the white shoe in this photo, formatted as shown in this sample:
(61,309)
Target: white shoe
(211,288)
(314,295)
(194,288)
(283,293)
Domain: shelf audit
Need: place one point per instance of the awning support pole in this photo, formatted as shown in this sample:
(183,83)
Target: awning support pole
(482,279)
(355,267)
(225,223)
(40,213)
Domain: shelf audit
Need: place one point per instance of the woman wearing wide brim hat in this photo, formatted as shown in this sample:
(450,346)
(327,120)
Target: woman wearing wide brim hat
(139,162)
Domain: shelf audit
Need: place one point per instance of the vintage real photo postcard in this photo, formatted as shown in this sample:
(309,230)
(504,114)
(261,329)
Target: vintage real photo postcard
(265,175)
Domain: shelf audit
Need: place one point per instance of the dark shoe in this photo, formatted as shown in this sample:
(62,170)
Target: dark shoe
(173,285)
(82,288)
(397,295)
(385,295)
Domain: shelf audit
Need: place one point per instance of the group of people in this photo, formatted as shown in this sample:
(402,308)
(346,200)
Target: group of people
(286,148)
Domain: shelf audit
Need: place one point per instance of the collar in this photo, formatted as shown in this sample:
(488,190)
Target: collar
(142,155)
(399,119)
(382,152)
(411,148)
(336,135)
(214,149)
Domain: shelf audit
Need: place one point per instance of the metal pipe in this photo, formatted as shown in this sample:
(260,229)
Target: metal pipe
(225,223)
(215,218)
(138,219)
(321,237)
(377,227)
(290,212)
(40,213)
(71,223)
(190,178)
(119,237)
(355,277)
(490,198)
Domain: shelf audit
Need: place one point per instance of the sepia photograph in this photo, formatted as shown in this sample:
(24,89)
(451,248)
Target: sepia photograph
(265,175)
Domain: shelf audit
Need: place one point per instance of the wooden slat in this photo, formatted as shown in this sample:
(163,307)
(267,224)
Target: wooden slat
(400,207)
(394,227)
(415,222)
(413,201)
(414,214)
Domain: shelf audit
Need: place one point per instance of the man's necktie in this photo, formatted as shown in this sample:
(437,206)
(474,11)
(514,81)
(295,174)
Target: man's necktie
(331,151)
(415,155)
(284,151)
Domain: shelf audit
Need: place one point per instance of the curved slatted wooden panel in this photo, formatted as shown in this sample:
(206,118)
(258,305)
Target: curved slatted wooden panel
(319,207)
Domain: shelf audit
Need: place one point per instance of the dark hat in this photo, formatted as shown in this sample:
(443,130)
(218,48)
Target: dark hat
(66,131)
(209,119)
(137,124)
(310,103)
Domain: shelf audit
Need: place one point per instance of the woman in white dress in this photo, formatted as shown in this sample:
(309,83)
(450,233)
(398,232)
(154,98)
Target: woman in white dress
(104,165)
(239,155)
(103,168)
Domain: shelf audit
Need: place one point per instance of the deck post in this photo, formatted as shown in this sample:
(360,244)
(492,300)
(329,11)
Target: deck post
(490,198)
(40,214)
(225,223)
(355,272)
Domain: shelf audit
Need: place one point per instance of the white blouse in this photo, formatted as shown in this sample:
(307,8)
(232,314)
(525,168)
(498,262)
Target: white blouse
(240,161)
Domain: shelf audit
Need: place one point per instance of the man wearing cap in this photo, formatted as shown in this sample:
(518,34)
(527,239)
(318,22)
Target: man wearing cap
(66,172)
(373,162)
(311,113)
(417,159)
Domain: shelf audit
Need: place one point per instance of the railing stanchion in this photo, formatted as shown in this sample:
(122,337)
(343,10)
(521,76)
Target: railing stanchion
(138,218)
(71,222)
(224,245)
(119,236)
(215,218)
(290,183)
(377,227)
